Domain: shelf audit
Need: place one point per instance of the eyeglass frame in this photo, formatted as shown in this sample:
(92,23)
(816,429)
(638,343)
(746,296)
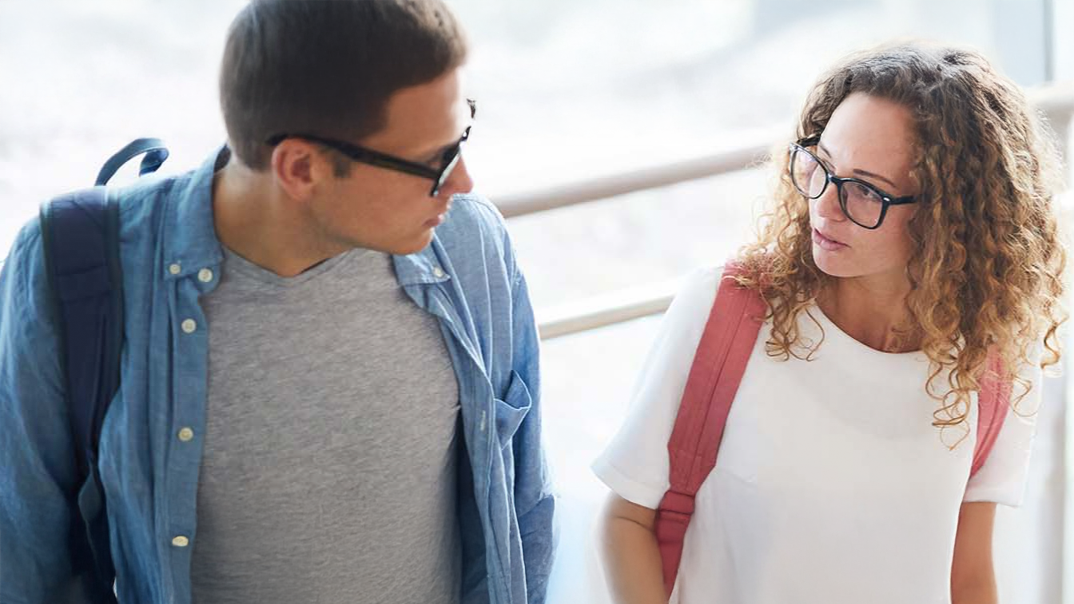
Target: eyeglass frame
(379,159)
(886,200)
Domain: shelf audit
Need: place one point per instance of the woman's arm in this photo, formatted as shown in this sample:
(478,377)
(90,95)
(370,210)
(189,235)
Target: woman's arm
(631,558)
(973,579)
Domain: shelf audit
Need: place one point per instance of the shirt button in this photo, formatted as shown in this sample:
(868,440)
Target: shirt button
(186,434)
(438,273)
(175,269)
(180,541)
(205,275)
(189,326)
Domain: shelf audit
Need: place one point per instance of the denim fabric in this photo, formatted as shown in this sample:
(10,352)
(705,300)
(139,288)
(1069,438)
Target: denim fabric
(467,278)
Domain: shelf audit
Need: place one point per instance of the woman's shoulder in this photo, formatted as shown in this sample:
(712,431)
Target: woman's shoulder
(702,283)
(703,278)
(698,287)
(692,304)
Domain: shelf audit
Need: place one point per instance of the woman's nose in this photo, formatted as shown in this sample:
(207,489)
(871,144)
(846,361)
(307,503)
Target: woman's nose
(828,204)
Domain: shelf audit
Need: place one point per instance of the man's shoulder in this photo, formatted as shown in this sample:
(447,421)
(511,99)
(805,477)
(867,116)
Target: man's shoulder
(25,251)
(471,215)
(146,196)
(474,234)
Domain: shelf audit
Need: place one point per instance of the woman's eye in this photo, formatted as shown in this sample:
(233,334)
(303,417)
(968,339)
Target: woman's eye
(863,193)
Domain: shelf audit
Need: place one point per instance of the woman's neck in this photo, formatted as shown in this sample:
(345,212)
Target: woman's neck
(872,310)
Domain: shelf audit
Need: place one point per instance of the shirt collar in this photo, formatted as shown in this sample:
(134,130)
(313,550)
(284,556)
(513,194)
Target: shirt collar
(189,241)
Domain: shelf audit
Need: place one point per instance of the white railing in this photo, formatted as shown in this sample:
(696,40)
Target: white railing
(748,154)
(1055,102)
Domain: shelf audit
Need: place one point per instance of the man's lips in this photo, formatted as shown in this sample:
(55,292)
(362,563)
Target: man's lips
(827,243)
(437,220)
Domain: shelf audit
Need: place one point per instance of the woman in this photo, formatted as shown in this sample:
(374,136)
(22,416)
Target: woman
(913,237)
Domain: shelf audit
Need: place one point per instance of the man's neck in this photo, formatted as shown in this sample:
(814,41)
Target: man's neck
(256,221)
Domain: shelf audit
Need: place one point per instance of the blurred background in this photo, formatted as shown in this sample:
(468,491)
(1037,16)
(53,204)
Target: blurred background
(653,116)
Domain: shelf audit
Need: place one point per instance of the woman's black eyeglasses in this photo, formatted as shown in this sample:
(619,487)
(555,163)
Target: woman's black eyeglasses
(439,175)
(864,204)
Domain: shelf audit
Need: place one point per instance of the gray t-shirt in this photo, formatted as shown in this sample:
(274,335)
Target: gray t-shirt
(329,470)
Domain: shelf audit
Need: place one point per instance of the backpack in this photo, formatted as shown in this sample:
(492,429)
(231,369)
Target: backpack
(719,363)
(80,240)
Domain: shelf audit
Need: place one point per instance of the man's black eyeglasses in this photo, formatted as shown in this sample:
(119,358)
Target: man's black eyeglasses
(864,204)
(439,175)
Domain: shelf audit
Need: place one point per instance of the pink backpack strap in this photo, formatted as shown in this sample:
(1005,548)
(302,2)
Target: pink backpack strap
(993,402)
(720,361)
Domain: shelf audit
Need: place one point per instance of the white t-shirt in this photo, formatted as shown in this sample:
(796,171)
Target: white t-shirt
(831,485)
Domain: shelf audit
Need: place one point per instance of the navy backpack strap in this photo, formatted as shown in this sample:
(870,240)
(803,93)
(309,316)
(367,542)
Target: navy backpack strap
(80,232)
(80,235)
(81,243)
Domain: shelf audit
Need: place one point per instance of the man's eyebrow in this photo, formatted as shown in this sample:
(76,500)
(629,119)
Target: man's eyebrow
(859,172)
(439,151)
(435,153)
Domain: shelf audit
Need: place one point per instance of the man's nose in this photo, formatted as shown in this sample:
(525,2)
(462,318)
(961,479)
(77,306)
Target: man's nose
(458,181)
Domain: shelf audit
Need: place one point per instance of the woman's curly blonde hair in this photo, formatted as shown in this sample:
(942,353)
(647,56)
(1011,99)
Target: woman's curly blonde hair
(986,263)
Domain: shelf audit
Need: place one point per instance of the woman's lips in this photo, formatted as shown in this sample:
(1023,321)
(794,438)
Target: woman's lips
(826,243)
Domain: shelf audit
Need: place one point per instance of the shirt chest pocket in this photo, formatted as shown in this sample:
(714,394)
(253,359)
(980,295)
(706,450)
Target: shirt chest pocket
(512,408)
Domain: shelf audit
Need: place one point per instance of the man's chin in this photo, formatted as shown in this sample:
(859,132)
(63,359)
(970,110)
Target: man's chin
(412,247)
(396,246)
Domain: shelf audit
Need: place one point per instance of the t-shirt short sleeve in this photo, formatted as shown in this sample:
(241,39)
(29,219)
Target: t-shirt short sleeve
(1002,478)
(635,464)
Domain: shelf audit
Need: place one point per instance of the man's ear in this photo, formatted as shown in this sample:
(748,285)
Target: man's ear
(299,168)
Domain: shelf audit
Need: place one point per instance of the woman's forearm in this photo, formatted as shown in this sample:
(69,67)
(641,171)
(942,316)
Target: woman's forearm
(973,576)
(975,592)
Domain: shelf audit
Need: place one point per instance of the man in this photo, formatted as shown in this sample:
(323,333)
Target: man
(329,384)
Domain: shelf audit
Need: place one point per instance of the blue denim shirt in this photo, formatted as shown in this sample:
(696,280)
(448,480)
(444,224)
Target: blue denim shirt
(467,278)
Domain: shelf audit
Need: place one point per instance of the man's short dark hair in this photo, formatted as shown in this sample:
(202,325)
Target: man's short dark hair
(328,67)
